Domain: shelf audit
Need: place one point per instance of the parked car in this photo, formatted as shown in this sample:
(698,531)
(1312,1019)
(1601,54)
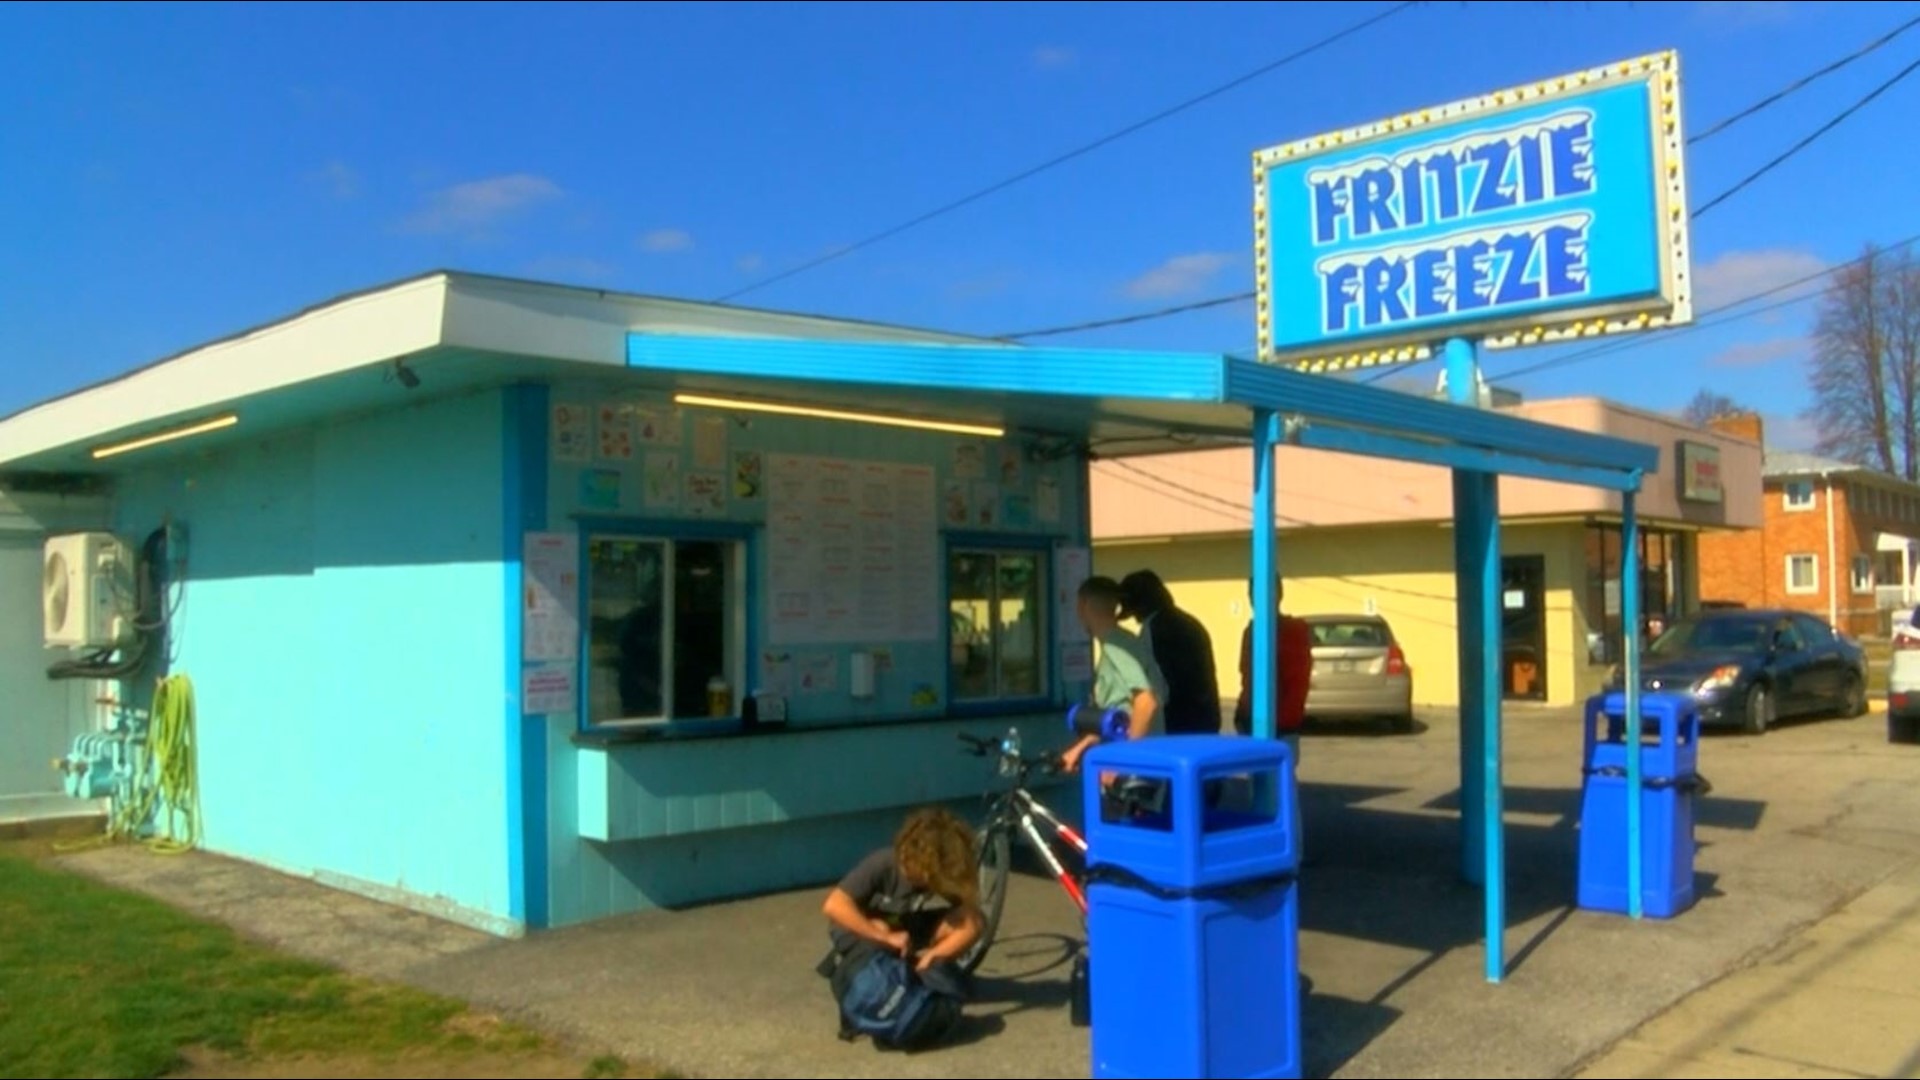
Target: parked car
(1750,668)
(1359,671)
(1903,683)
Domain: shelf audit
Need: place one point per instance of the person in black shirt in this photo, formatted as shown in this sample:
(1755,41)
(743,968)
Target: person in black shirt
(1182,648)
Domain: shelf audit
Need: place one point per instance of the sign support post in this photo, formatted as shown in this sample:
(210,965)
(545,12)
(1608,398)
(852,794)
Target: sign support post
(1547,213)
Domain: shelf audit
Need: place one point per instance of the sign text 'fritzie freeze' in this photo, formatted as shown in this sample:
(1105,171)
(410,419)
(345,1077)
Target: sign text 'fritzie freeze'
(1531,215)
(1455,183)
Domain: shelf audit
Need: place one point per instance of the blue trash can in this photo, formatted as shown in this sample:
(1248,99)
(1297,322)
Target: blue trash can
(1670,778)
(1193,908)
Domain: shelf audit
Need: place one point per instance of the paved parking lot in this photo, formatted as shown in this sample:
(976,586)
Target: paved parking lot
(1800,822)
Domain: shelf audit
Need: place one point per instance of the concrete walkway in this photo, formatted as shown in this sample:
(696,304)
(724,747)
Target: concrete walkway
(1840,1000)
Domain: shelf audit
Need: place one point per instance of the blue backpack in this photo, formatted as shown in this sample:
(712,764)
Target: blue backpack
(882,998)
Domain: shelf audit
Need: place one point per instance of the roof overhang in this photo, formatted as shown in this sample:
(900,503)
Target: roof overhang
(449,334)
(1188,399)
(458,333)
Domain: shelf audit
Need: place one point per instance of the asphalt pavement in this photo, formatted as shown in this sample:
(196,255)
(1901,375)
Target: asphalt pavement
(1801,822)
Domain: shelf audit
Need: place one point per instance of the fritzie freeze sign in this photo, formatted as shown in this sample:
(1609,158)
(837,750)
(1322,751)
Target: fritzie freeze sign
(1537,214)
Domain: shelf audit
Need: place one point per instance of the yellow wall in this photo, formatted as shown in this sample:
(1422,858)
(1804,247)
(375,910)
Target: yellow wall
(1407,572)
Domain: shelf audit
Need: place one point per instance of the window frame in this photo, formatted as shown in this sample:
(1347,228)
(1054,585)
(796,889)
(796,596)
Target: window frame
(1794,506)
(742,633)
(1872,578)
(1813,560)
(1041,549)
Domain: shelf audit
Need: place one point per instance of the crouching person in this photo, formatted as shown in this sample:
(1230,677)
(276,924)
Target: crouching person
(900,921)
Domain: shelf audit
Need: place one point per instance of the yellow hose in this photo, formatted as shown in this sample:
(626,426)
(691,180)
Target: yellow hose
(173,782)
(176,777)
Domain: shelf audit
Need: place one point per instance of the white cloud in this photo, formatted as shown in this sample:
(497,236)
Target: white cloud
(1180,275)
(750,263)
(1738,275)
(339,179)
(1055,57)
(477,205)
(662,241)
(1738,13)
(569,268)
(1757,353)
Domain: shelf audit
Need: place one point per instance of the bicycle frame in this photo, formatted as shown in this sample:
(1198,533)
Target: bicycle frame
(1027,814)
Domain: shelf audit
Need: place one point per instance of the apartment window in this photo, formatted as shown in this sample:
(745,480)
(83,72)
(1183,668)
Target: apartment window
(1803,574)
(665,617)
(1863,573)
(1799,495)
(997,618)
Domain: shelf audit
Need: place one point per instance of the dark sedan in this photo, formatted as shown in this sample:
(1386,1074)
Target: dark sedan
(1752,667)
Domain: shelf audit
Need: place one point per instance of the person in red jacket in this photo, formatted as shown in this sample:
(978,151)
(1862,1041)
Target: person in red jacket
(1294,668)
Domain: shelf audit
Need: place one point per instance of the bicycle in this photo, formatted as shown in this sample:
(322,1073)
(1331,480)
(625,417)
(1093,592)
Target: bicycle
(1016,811)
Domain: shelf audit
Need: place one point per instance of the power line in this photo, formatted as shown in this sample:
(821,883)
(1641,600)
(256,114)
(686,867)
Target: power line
(1082,151)
(1805,81)
(1772,99)
(1708,321)
(1791,151)
(1122,320)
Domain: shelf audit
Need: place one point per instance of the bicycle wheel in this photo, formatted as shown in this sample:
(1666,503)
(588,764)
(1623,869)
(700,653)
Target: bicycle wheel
(996,866)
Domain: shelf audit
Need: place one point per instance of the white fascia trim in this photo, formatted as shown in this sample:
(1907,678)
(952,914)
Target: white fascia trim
(355,332)
(567,323)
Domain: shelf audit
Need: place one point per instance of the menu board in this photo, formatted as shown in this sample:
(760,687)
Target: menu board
(854,551)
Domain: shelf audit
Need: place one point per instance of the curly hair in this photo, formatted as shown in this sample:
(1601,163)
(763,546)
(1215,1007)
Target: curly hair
(935,850)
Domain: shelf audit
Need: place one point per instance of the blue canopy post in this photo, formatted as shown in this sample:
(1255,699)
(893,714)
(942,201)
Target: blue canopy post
(1476,513)
(1630,678)
(1265,605)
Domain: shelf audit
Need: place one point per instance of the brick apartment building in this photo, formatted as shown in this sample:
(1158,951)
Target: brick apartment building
(1837,541)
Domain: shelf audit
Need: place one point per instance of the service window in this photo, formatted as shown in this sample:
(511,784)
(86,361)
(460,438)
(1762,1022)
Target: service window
(666,618)
(997,625)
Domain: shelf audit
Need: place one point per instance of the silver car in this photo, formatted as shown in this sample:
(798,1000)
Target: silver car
(1359,671)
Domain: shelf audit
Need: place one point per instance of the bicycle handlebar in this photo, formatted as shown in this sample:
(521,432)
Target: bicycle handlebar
(982,746)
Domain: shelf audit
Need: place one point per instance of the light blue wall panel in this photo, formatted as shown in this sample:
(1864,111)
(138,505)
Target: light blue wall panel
(38,717)
(731,817)
(712,785)
(343,628)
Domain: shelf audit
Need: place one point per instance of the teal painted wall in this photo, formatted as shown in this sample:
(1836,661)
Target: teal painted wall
(742,816)
(38,717)
(343,628)
(679,821)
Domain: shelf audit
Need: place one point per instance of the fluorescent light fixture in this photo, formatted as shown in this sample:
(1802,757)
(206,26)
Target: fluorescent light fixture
(158,437)
(839,414)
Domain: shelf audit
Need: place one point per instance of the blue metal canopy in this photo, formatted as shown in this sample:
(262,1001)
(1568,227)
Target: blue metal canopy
(1077,391)
(1195,392)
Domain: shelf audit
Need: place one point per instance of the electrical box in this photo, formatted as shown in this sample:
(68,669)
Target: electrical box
(87,590)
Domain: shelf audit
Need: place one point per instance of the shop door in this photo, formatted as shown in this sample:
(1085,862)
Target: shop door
(1523,626)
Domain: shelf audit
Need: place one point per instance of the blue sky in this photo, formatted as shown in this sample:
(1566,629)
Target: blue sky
(174,173)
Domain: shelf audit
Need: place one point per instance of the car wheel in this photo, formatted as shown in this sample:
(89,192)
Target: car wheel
(1856,698)
(1759,710)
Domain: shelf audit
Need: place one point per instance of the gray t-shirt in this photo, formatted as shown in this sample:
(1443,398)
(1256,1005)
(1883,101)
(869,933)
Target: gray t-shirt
(882,892)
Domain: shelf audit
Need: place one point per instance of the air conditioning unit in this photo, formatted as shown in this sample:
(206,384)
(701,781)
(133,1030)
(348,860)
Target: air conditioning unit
(87,590)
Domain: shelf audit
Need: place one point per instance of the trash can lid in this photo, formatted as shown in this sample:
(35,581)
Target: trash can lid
(1186,753)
